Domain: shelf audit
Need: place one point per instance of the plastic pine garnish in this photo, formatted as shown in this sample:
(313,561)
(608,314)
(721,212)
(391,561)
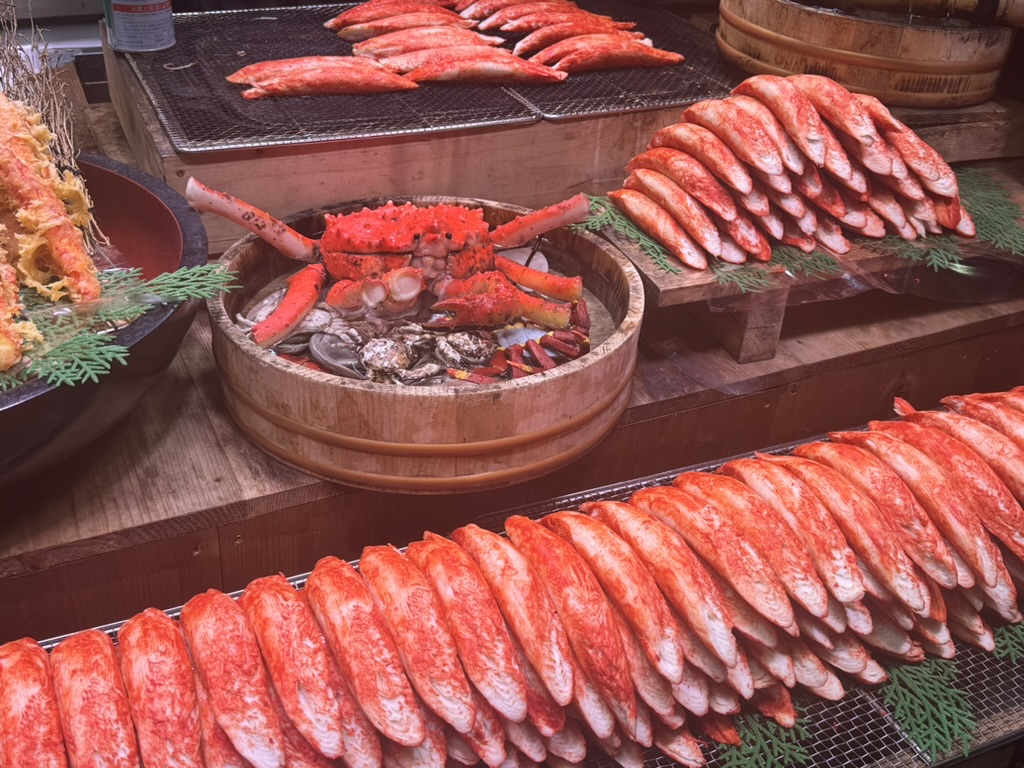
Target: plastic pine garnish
(996,216)
(1009,642)
(78,345)
(603,213)
(746,278)
(766,744)
(796,262)
(937,251)
(926,704)
(81,358)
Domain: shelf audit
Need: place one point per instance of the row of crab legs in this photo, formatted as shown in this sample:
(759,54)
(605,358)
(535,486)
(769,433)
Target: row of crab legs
(384,258)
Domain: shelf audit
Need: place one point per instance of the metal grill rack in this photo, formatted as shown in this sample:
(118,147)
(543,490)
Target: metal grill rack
(201,112)
(856,732)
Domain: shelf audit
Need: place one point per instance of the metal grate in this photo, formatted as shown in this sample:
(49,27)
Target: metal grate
(201,112)
(856,732)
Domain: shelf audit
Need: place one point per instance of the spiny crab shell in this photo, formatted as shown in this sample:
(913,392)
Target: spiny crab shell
(433,231)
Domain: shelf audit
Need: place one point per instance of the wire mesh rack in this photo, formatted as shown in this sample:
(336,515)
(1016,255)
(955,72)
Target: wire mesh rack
(855,732)
(201,112)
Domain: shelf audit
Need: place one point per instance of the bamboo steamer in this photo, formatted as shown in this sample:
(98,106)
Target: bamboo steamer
(456,438)
(924,64)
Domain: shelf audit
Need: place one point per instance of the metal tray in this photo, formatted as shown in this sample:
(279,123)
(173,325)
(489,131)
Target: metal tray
(856,732)
(201,112)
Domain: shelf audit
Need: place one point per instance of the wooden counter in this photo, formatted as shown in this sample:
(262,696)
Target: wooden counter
(175,499)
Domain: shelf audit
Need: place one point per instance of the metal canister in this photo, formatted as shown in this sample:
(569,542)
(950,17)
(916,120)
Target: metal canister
(139,26)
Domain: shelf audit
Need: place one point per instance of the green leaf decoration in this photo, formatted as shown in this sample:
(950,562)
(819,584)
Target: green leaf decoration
(814,264)
(747,278)
(766,744)
(1009,642)
(925,702)
(77,346)
(996,215)
(81,358)
(937,252)
(603,213)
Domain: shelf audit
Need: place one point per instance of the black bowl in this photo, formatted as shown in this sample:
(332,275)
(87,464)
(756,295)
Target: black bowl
(155,230)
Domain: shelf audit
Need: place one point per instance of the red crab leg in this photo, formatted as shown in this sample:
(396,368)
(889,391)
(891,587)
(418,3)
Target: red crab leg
(555,286)
(489,299)
(278,234)
(349,294)
(303,292)
(528,226)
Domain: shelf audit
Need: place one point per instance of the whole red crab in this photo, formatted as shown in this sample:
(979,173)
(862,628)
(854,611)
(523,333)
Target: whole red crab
(386,256)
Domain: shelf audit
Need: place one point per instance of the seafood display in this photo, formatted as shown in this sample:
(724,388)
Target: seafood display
(624,624)
(556,38)
(44,214)
(416,292)
(796,160)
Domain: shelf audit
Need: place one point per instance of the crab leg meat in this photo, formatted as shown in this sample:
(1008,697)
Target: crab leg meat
(29,717)
(690,174)
(475,620)
(420,38)
(629,585)
(363,645)
(660,225)
(614,51)
(483,64)
(304,674)
(718,540)
(355,33)
(690,214)
(808,518)
(303,292)
(708,149)
(543,37)
(584,611)
(276,233)
(94,711)
(414,615)
(939,495)
(524,228)
(227,658)
(749,140)
(920,538)
(161,690)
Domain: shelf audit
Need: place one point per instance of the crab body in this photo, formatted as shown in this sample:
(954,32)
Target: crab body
(385,257)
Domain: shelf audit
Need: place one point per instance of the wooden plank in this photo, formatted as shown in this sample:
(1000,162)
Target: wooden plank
(749,333)
(95,590)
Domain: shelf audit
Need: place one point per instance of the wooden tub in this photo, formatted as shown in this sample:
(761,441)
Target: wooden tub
(448,439)
(924,64)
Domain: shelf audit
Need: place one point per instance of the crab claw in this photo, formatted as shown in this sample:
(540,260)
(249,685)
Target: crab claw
(275,232)
(490,298)
(302,293)
(350,294)
(528,226)
(555,286)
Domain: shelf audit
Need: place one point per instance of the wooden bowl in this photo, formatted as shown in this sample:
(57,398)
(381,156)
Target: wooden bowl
(153,227)
(447,439)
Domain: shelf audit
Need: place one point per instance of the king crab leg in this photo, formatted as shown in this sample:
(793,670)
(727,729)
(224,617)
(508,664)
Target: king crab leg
(278,234)
(303,292)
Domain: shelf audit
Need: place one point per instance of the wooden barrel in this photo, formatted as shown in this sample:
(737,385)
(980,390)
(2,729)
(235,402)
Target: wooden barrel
(924,64)
(430,439)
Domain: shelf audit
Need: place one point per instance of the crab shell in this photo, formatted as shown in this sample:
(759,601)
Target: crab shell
(432,232)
